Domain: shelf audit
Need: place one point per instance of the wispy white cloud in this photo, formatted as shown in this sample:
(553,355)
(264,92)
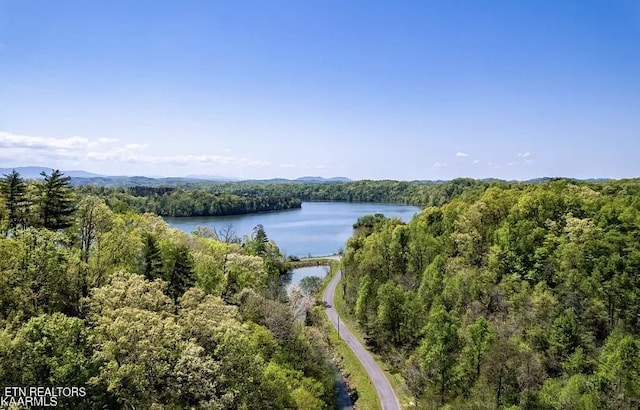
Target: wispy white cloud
(511,164)
(287,166)
(136,147)
(524,154)
(10,140)
(440,165)
(133,156)
(461,154)
(51,150)
(476,161)
(320,166)
(42,149)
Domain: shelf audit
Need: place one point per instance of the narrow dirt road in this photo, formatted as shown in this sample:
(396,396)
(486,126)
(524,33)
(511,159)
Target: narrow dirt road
(386,394)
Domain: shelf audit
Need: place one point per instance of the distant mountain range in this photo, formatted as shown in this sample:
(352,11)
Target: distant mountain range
(79,177)
(320,179)
(211,178)
(33,172)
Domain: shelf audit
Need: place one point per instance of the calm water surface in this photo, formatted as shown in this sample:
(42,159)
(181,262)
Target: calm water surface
(299,273)
(317,229)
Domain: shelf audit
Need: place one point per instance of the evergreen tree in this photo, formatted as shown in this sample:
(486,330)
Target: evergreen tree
(56,201)
(177,269)
(259,240)
(13,191)
(152,258)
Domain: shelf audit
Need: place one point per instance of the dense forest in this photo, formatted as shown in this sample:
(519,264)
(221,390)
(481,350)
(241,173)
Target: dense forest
(497,295)
(235,198)
(145,316)
(195,201)
(516,296)
(400,192)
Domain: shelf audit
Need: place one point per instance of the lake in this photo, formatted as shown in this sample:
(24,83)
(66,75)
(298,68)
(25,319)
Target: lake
(316,229)
(299,273)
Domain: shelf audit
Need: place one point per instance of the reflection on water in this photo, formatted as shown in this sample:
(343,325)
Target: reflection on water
(344,401)
(317,229)
(298,274)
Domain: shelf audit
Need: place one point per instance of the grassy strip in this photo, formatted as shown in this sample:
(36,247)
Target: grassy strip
(335,265)
(354,373)
(352,369)
(397,383)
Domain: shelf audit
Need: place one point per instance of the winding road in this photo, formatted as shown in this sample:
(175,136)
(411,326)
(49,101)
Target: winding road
(386,394)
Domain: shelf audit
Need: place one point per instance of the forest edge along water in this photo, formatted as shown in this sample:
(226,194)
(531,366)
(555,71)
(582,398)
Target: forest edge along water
(315,229)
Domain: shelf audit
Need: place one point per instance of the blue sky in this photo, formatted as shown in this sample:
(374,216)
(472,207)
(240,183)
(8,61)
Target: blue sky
(363,89)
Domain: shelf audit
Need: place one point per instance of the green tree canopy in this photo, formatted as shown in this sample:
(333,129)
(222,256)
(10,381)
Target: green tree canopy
(57,203)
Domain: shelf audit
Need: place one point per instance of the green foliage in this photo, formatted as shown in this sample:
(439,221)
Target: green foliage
(432,283)
(14,193)
(56,201)
(49,203)
(53,350)
(364,302)
(170,201)
(258,242)
(208,271)
(618,373)
(233,198)
(200,356)
(564,338)
(577,392)
(478,338)
(494,296)
(132,310)
(244,271)
(439,348)
(390,313)
(37,274)
(177,268)
(152,259)
(311,284)
(522,286)
(139,352)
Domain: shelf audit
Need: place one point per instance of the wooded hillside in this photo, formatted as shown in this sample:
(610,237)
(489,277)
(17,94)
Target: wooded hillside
(521,295)
(145,316)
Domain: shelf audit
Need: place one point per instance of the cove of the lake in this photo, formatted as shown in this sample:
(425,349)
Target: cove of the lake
(316,229)
(299,273)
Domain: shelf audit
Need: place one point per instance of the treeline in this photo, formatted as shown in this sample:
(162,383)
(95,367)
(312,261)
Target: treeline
(45,204)
(160,197)
(234,198)
(171,201)
(145,316)
(401,192)
(521,296)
